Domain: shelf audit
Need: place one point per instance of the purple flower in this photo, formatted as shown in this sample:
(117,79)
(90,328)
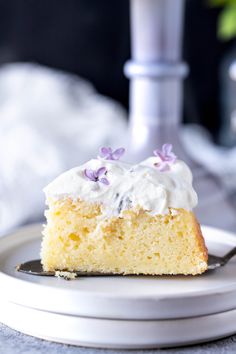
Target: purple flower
(166,156)
(107,153)
(97,175)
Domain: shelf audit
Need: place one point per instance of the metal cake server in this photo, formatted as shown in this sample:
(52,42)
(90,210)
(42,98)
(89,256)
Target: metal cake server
(35,267)
(216,262)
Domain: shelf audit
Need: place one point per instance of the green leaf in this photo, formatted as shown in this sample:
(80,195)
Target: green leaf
(227,22)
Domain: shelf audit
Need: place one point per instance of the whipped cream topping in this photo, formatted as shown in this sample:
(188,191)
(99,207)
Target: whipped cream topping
(130,186)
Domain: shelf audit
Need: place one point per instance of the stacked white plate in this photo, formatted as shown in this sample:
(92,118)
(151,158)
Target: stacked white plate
(117,312)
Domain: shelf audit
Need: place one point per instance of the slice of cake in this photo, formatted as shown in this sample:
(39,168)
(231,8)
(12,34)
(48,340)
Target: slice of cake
(109,216)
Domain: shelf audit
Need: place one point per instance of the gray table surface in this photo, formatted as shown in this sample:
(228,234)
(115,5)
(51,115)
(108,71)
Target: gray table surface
(12,342)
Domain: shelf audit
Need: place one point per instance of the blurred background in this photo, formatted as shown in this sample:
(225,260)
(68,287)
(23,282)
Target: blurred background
(63,93)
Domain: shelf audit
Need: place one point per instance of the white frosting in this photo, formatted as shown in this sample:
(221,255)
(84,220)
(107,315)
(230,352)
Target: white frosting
(141,185)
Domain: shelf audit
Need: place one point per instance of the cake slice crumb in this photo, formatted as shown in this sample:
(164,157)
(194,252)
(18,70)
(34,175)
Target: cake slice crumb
(65,275)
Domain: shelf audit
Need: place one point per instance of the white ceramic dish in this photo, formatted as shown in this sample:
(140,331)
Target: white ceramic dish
(107,333)
(117,312)
(142,298)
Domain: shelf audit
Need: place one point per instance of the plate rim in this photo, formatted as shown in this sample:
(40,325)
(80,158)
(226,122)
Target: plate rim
(118,334)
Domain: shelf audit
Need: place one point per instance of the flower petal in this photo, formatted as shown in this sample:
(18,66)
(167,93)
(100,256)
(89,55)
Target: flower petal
(116,155)
(156,152)
(101,171)
(105,151)
(166,149)
(159,154)
(171,158)
(90,175)
(104,181)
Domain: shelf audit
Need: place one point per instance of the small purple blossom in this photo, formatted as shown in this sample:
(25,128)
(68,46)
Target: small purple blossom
(166,156)
(97,175)
(107,153)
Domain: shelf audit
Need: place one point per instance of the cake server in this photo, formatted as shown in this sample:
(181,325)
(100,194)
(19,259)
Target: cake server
(34,267)
(216,261)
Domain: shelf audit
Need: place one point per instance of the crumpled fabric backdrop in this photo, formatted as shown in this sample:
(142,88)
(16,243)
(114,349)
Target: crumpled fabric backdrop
(219,160)
(51,121)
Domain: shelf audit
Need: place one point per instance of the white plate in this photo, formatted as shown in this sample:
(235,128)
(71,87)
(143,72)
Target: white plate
(126,334)
(142,298)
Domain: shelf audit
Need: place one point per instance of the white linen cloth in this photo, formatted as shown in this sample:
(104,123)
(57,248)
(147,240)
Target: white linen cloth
(49,122)
(219,160)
